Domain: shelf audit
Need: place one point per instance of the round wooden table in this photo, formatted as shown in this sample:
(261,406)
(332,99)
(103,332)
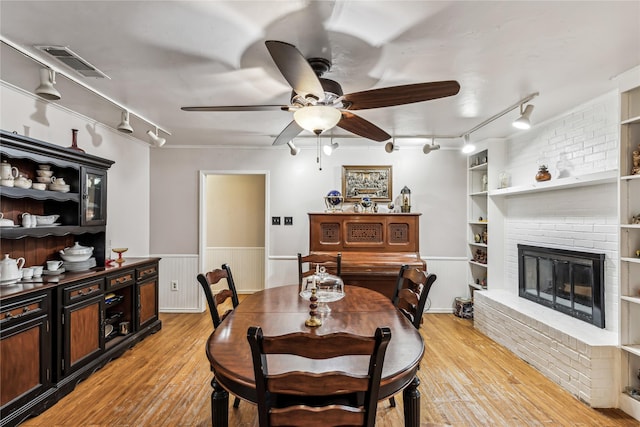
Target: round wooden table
(281,310)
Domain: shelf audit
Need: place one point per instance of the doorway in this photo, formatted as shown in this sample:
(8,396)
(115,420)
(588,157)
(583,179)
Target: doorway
(233,225)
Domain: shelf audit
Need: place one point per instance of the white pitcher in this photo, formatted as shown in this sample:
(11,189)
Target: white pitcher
(7,171)
(10,269)
(28,220)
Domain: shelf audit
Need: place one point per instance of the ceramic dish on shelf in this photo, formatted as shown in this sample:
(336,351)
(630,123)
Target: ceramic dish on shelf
(46,219)
(107,330)
(80,265)
(55,224)
(53,272)
(59,188)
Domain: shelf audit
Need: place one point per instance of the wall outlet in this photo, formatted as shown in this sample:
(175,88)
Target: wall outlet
(288,220)
(275,220)
(174,285)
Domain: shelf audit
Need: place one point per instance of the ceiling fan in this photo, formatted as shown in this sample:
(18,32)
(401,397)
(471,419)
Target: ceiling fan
(319,104)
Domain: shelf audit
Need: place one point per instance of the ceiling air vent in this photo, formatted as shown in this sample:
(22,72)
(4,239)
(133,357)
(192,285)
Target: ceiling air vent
(73,61)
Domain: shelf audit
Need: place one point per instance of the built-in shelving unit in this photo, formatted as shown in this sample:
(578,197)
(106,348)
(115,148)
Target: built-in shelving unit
(477,218)
(629,186)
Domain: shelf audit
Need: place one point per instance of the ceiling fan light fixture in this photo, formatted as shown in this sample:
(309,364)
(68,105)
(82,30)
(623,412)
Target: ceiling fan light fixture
(523,122)
(317,118)
(124,125)
(155,139)
(468,147)
(46,89)
(294,150)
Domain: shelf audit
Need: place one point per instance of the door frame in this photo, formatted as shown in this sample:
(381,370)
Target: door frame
(202,215)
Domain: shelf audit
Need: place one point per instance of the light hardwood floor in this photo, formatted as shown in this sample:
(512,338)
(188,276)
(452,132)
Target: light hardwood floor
(466,380)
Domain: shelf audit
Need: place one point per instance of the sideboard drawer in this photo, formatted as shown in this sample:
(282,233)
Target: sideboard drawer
(80,291)
(146,272)
(123,278)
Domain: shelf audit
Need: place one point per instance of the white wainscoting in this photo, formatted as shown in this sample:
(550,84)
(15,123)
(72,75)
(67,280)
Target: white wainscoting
(451,283)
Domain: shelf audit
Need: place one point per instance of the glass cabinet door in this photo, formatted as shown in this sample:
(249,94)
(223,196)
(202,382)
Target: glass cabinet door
(94,196)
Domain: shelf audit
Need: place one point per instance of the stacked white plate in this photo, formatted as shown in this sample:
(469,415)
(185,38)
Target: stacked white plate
(79,265)
(61,188)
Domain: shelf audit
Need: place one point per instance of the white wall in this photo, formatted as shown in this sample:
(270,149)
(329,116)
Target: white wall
(128,178)
(437,182)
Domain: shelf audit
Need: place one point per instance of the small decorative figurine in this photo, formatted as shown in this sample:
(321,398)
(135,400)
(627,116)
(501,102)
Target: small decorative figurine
(333,200)
(406,199)
(635,158)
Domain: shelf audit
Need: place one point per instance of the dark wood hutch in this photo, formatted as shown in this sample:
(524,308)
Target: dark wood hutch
(373,245)
(58,329)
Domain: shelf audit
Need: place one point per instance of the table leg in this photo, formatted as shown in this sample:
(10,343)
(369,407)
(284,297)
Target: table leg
(411,397)
(219,405)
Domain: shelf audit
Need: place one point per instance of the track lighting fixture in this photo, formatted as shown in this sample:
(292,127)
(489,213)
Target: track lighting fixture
(46,89)
(124,125)
(330,148)
(523,122)
(155,139)
(430,147)
(468,147)
(294,150)
(391,146)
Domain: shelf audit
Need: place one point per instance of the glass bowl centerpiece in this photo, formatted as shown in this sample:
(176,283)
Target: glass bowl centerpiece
(329,288)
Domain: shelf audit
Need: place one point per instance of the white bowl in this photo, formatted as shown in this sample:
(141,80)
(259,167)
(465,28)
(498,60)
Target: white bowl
(77,249)
(75,257)
(43,179)
(39,186)
(44,167)
(46,219)
(44,173)
(6,182)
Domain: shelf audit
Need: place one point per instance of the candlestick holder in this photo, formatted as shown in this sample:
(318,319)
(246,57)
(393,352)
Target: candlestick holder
(120,251)
(313,320)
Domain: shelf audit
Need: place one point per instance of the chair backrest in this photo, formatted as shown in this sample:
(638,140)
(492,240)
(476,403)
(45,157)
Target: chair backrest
(331,398)
(307,264)
(211,278)
(412,290)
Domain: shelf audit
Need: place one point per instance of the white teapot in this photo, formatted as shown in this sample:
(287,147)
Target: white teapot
(10,269)
(22,182)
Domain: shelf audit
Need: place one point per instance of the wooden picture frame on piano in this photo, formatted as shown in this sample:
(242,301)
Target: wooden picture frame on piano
(374,182)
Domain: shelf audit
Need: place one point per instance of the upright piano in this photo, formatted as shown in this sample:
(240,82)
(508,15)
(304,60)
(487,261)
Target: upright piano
(373,245)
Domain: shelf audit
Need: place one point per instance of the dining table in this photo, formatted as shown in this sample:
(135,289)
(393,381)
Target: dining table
(281,310)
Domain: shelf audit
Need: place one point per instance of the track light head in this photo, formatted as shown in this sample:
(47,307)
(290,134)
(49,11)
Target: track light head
(523,122)
(330,148)
(430,147)
(468,147)
(124,125)
(46,89)
(294,150)
(390,147)
(155,139)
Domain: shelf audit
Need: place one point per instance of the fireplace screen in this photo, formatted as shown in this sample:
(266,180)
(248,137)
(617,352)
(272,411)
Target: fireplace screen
(568,281)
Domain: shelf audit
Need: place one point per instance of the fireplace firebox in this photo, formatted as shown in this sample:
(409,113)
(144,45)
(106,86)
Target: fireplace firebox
(567,281)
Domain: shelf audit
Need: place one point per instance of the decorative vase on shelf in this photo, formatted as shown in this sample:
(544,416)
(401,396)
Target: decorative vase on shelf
(74,141)
(543,174)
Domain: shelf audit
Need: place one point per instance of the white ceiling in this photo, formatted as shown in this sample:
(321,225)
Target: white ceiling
(161,55)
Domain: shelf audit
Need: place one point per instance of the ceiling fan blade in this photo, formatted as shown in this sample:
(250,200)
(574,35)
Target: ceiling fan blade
(359,126)
(295,68)
(400,95)
(236,108)
(291,131)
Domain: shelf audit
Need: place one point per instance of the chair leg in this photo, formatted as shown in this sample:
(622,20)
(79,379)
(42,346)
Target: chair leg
(236,402)
(392,401)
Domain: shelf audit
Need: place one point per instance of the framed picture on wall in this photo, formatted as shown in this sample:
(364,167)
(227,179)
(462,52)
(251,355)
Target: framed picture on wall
(367,181)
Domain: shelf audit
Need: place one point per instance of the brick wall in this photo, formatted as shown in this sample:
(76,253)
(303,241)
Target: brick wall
(578,356)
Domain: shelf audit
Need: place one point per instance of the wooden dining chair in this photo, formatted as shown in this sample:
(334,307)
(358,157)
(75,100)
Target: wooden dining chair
(307,264)
(410,296)
(321,399)
(215,300)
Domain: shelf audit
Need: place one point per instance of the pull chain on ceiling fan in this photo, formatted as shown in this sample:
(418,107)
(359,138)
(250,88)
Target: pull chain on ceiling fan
(318,104)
